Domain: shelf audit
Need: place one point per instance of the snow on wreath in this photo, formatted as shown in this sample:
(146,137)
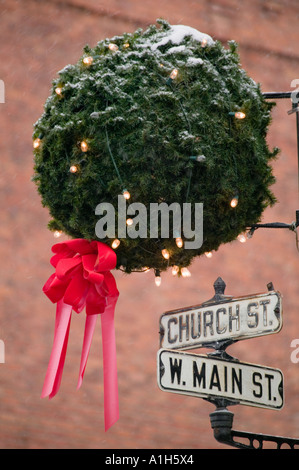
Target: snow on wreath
(161,116)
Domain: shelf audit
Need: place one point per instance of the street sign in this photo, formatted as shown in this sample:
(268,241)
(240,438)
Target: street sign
(213,378)
(225,320)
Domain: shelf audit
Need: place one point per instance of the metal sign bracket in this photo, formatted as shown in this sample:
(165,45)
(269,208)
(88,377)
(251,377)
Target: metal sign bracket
(221,345)
(222,419)
(222,422)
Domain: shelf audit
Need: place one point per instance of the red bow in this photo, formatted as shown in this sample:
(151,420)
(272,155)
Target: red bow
(82,279)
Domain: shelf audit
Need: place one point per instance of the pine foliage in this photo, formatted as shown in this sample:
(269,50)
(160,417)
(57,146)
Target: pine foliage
(142,127)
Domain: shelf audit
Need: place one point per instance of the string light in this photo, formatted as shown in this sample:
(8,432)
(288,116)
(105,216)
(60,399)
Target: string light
(73,169)
(249,234)
(234,201)
(57,233)
(179,242)
(88,60)
(58,91)
(209,254)
(158,279)
(185,272)
(115,243)
(36,143)
(175,270)
(113,47)
(126,194)
(83,146)
(242,238)
(238,114)
(198,158)
(174,74)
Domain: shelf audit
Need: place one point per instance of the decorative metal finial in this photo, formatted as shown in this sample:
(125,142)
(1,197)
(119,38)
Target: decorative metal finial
(219,286)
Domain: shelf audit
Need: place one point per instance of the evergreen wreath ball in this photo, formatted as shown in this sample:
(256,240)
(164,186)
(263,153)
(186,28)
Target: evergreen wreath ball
(133,114)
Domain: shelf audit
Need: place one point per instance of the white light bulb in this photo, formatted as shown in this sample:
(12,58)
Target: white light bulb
(185,272)
(73,169)
(240,115)
(158,281)
(175,270)
(179,242)
(84,146)
(58,90)
(242,238)
(129,222)
(115,244)
(237,114)
(165,254)
(209,254)
(88,60)
(174,74)
(204,42)
(57,233)
(234,202)
(36,143)
(113,47)
(126,194)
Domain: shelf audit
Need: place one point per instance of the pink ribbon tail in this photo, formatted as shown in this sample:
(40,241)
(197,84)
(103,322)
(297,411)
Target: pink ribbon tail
(90,323)
(57,358)
(111,404)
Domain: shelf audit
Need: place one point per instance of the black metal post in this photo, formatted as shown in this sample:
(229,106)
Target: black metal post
(277,95)
(297,124)
(222,419)
(222,422)
(295,109)
(293,226)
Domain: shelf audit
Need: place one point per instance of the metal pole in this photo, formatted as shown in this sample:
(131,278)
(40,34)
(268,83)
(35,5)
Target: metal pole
(221,418)
(277,95)
(297,125)
(222,422)
(295,109)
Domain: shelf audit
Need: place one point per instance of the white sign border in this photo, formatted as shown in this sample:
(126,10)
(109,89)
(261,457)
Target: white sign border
(215,398)
(234,338)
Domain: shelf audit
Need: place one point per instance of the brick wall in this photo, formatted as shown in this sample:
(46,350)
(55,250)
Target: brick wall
(38,39)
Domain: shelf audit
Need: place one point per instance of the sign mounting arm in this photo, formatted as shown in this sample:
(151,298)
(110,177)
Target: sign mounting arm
(222,421)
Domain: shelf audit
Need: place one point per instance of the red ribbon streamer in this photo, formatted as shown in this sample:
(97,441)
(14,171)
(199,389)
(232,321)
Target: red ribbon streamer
(82,279)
